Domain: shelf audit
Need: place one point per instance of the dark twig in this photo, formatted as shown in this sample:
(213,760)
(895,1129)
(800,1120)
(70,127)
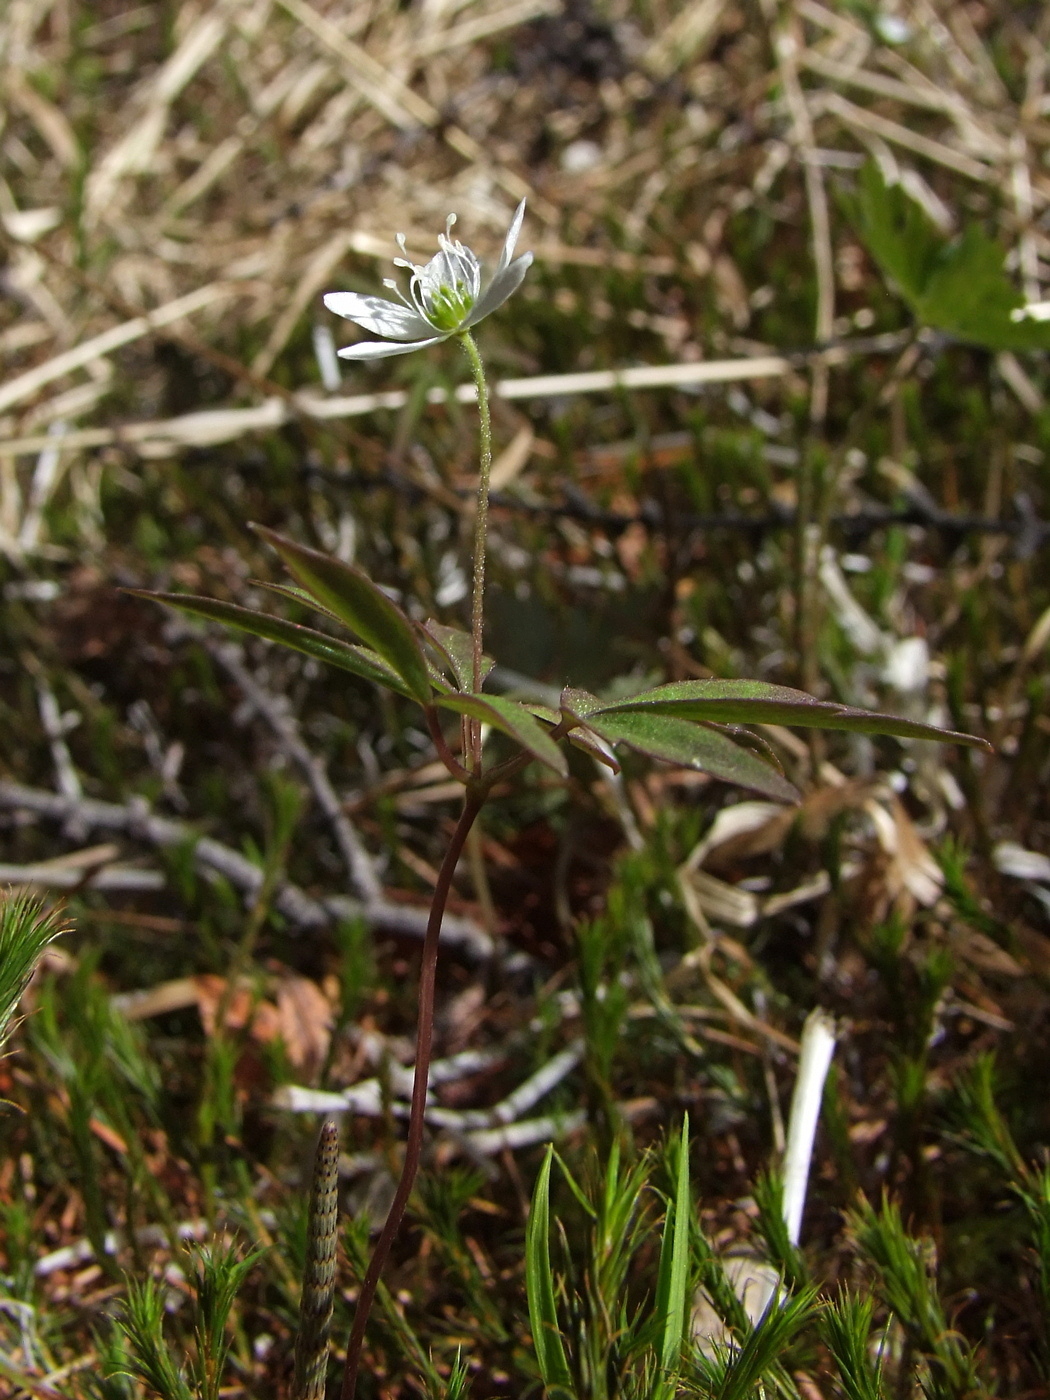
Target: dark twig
(1029,529)
(424,1044)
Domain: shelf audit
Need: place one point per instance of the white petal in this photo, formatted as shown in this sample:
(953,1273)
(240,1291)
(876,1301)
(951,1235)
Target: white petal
(382,349)
(378,315)
(505,283)
(511,240)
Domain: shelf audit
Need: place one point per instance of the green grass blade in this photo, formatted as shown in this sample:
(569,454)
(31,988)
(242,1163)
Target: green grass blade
(673,1275)
(539,1285)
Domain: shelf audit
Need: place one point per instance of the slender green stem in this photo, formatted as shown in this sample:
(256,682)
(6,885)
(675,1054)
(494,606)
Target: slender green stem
(481,525)
(424,1042)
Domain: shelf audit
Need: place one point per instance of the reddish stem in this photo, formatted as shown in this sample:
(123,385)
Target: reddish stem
(448,758)
(424,1043)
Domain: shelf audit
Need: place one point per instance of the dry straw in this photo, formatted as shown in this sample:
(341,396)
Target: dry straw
(215,212)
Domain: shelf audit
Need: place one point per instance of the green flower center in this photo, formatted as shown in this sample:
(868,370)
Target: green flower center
(448,307)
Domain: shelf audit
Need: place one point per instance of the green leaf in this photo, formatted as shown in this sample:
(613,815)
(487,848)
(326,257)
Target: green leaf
(296,595)
(512,718)
(959,286)
(360,661)
(580,739)
(756,702)
(539,1286)
(898,232)
(689,744)
(457,647)
(349,593)
(673,1273)
(307,600)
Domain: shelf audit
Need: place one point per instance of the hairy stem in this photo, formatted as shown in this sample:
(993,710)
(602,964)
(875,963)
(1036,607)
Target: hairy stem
(424,1042)
(481,525)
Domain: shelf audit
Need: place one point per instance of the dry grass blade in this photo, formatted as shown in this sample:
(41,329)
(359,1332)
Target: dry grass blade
(16,390)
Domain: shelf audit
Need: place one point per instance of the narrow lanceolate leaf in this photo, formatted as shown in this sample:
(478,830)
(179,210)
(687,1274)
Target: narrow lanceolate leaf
(755,702)
(307,600)
(349,593)
(457,648)
(315,1307)
(539,1285)
(297,595)
(513,719)
(684,742)
(361,661)
(673,1274)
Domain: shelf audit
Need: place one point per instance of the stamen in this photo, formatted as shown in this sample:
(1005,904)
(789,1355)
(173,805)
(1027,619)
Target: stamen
(416,292)
(389,282)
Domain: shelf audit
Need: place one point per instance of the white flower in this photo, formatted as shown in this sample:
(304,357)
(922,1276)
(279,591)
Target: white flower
(446,297)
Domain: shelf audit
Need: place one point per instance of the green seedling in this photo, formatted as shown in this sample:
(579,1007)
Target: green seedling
(906,1281)
(217,1275)
(26,929)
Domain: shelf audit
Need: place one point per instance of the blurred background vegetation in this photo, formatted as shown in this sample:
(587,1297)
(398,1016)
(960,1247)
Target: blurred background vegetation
(243,844)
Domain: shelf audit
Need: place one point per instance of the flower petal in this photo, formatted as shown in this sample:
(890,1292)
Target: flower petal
(378,315)
(510,241)
(503,285)
(382,349)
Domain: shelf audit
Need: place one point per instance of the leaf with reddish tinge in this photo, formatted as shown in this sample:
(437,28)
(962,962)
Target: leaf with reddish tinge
(513,719)
(296,595)
(683,742)
(348,656)
(756,702)
(361,604)
(457,648)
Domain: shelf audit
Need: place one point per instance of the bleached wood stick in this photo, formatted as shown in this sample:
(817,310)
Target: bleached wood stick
(295,904)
